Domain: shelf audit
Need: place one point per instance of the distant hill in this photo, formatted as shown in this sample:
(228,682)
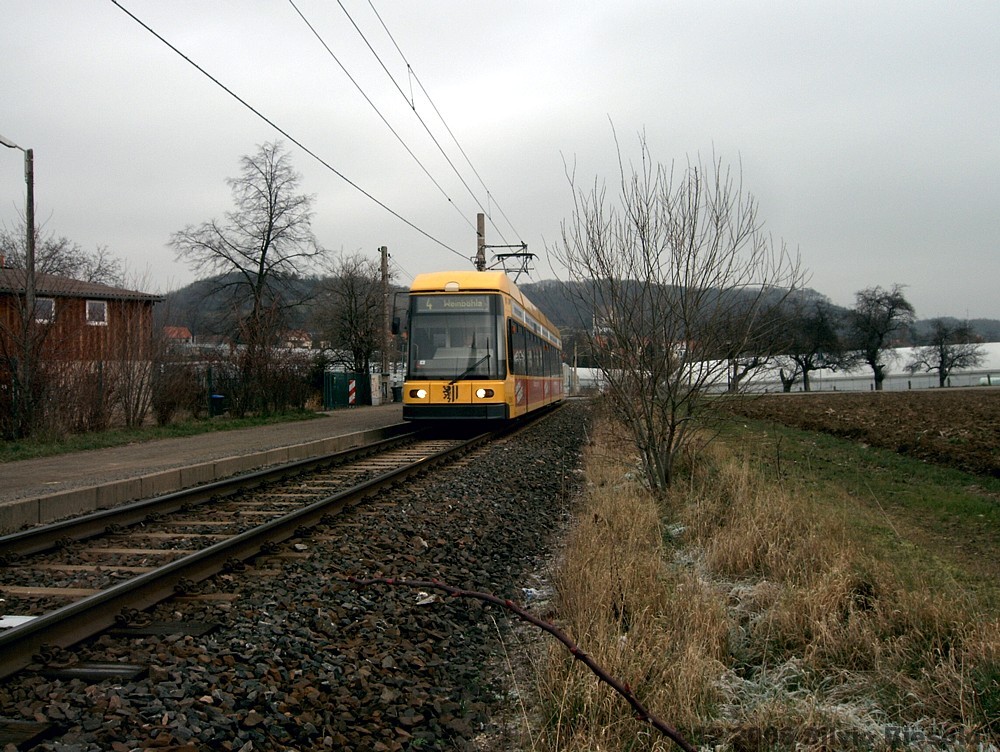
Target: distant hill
(988,330)
(556,300)
(208,313)
(196,308)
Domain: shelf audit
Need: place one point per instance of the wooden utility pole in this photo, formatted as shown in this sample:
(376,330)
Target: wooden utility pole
(29,219)
(386,319)
(480,242)
(26,362)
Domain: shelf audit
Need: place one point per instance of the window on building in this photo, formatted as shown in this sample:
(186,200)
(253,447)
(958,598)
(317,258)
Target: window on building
(97,312)
(45,310)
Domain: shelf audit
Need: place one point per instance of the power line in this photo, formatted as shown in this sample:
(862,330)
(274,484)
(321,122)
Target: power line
(377,112)
(283,132)
(437,112)
(417,114)
(406,273)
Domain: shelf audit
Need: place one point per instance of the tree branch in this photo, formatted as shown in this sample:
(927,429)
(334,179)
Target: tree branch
(624,690)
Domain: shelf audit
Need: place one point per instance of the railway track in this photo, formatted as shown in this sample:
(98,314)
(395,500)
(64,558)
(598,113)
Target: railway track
(65,582)
(284,653)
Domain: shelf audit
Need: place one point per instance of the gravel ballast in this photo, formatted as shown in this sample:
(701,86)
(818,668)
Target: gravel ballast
(303,660)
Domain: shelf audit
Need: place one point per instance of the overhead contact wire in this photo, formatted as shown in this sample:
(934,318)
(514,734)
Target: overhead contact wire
(416,114)
(285,133)
(377,112)
(437,112)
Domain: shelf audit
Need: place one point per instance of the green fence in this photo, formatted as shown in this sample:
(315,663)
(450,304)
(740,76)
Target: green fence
(346,390)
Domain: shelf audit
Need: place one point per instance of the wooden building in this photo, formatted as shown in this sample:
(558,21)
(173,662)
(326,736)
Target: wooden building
(74,320)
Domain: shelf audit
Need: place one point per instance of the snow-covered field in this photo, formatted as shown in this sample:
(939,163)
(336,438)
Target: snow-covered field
(898,379)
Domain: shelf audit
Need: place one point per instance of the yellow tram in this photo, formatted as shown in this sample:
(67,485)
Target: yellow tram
(478,350)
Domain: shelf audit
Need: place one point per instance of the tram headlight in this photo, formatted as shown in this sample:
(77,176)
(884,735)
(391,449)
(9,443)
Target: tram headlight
(484,393)
(418,393)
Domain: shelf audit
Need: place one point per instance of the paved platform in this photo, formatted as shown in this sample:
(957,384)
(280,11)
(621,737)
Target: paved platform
(42,490)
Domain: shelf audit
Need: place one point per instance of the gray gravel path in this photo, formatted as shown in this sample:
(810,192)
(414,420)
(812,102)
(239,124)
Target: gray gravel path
(39,477)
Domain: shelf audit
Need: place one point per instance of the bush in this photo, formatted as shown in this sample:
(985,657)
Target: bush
(176,386)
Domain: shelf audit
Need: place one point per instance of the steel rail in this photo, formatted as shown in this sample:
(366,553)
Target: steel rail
(91,615)
(45,537)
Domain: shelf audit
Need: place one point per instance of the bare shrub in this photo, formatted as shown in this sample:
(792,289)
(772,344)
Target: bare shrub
(130,367)
(176,387)
(131,390)
(70,397)
(288,380)
(684,289)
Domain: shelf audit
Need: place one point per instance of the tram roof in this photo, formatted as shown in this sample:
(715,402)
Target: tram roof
(469,281)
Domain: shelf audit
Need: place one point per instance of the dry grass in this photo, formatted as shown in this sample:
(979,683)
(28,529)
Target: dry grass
(661,629)
(751,614)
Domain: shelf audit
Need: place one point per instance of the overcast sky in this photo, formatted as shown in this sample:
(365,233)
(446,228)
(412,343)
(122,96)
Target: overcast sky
(868,131)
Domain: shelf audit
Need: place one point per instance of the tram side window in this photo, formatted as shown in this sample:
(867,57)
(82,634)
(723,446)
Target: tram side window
(530,355)
(533,368)
(539,362)
(518,351)
(529,346)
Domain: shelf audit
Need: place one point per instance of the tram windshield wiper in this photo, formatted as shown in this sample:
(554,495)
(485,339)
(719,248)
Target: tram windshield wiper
(475,365)
(469,370)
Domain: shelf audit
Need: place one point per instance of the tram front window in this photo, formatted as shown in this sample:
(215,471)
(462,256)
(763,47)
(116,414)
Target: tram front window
(452,341)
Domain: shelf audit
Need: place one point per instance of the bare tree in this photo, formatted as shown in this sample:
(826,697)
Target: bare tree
(23,335)
(679,275)
(351,311)
(746,352)
(62,257)
(947,347)
(264,245)
(877,316)
(814,341)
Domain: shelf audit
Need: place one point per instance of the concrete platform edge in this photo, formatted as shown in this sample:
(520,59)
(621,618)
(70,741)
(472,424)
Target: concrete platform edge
(21,513)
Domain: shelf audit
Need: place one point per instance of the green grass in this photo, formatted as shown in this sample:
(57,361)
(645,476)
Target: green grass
(11,451)
(944,521)
(863,470)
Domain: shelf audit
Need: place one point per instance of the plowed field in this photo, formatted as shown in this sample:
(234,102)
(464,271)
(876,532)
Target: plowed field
(959,427)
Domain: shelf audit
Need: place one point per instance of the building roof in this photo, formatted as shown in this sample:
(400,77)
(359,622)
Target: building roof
(177,332)
(12,282)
